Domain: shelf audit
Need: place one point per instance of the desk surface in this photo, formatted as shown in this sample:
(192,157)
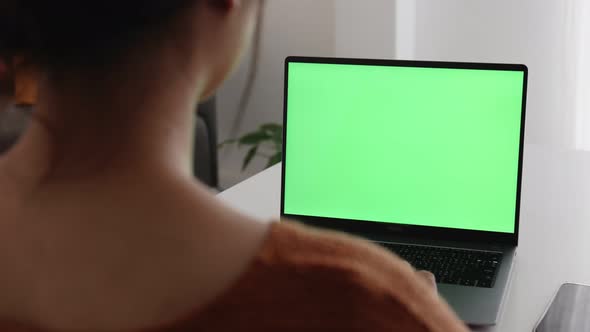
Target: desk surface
(555,226)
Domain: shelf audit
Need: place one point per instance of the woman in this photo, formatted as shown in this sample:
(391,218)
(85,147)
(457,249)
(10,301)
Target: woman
(103,227)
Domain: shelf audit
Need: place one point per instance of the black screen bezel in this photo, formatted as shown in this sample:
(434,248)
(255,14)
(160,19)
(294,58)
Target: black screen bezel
(438,233)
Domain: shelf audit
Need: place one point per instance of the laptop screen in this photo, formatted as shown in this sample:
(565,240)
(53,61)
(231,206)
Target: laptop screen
(424,146)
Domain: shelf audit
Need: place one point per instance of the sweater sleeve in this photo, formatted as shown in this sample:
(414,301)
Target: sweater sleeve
(394,290)
(306,279)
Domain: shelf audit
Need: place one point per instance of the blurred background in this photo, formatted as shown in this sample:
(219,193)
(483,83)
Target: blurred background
(552,37)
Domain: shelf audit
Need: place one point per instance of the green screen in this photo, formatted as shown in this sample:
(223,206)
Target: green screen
(406,145)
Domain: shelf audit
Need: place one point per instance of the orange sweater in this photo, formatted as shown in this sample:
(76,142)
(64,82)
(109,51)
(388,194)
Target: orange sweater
(308,280)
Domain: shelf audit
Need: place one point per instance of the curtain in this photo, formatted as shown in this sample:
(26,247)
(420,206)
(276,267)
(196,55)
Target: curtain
(578,43)
(552,37)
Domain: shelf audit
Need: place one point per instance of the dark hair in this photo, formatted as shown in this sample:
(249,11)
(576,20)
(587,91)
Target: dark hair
(77,32)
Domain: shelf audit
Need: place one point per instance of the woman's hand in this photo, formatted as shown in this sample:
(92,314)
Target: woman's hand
(429,278)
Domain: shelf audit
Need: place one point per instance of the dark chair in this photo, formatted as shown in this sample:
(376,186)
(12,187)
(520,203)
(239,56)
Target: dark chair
(205,162)
(205,167)
(13,121)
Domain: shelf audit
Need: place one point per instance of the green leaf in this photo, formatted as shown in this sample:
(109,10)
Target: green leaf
(228,142)
(277,158)
(249,157)
(276,134)
(277,137)
(278,143)
(254,138)
(272,128)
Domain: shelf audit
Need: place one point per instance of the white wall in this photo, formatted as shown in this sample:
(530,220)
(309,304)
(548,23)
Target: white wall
(364,29)
(533,32)
(405,29)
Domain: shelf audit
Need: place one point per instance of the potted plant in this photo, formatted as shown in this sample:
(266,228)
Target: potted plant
(265,142)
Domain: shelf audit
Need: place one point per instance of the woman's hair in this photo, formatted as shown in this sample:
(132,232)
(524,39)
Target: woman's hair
(6,80)
(59,33)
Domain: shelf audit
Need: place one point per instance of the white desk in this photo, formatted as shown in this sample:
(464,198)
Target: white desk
(555,227)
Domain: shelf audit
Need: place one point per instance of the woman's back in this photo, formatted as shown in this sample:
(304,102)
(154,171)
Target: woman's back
(299,279)
(83,255)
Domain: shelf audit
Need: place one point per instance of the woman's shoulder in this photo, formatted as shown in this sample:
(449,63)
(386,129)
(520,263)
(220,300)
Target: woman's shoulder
(293,240)
(352,260)
(296,245)
(332,280)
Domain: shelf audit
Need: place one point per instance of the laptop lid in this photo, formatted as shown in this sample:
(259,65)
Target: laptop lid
(424,149)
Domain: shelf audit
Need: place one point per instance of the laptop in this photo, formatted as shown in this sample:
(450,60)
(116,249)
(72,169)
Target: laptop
(422,158)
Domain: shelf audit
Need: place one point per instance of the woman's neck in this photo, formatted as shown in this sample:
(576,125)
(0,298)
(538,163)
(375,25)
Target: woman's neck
(100,126)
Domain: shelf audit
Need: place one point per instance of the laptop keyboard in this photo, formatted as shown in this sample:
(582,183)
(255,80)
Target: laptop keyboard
(452,266)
